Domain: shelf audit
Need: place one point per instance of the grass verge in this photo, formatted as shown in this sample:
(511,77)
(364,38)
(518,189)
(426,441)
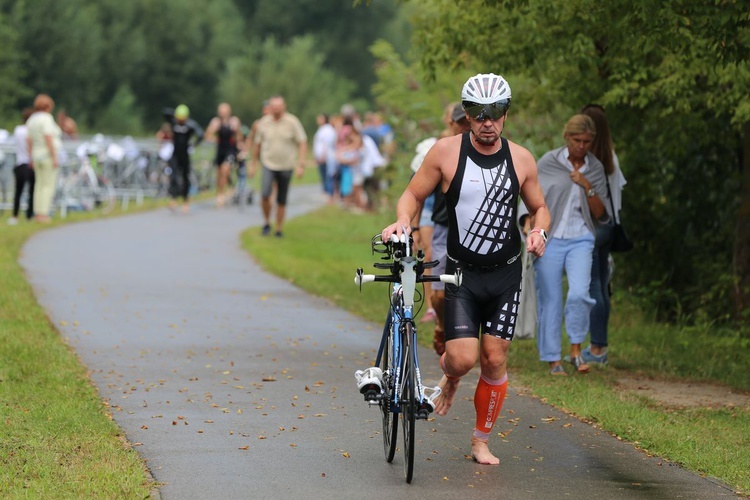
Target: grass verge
(57,439)
(715,442)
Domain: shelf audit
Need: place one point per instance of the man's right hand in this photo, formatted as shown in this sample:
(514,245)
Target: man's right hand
(398,228)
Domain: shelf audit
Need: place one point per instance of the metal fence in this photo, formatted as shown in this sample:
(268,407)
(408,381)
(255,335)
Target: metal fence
(134,169)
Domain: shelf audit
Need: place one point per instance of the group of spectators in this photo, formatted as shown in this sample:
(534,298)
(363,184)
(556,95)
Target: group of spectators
(348,151)
(38,153)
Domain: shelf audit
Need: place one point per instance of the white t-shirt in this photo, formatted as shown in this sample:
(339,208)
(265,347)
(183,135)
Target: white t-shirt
(616,183)
(324,141)
(20,133)
(572,224)
(371,157)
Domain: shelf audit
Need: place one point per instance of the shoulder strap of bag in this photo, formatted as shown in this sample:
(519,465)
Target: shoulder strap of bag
(611,201)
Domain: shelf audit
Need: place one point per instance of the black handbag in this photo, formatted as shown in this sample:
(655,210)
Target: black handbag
(620,240)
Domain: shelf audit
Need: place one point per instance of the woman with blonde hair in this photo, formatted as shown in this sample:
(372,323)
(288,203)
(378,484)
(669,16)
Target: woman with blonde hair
(44,142)
(574,185)
(603,149)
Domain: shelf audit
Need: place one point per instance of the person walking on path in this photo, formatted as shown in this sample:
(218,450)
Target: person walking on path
(22,172)
(482,175)
(458,125)
(281,147)
(603,149)
(574,185)
(184,130)
(225,130)
(44,142)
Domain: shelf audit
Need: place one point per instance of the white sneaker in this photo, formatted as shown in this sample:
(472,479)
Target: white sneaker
(12,221)
(368,379)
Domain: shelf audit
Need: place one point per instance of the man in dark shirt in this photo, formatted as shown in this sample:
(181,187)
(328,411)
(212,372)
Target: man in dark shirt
(185,133)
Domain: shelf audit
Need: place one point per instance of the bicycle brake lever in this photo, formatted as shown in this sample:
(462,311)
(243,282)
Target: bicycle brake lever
(360,272)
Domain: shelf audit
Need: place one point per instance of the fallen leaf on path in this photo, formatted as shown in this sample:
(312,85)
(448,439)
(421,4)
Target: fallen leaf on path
(346,454)
(244,447)
(270,378)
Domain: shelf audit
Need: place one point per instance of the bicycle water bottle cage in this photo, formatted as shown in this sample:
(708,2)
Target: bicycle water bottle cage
(378,246)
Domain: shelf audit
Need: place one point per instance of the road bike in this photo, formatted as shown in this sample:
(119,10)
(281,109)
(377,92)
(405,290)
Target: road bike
(243,194)
(394,383)
(85,188)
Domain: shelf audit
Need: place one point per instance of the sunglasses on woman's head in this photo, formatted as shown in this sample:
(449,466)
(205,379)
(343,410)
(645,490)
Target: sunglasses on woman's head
(481,112)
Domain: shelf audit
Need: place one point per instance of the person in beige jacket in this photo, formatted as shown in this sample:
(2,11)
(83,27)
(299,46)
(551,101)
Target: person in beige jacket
(44,141)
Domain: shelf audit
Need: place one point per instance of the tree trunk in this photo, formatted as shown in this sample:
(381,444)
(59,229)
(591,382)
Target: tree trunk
(742,236)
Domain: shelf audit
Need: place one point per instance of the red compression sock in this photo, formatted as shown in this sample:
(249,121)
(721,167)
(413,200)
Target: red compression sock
(488,400)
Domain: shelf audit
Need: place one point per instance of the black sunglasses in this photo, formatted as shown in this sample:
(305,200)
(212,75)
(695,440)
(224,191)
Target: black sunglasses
(481,112)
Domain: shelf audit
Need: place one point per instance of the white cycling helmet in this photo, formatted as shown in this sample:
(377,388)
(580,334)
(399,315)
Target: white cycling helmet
(486,89)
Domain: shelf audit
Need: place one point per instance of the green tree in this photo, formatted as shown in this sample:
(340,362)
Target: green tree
(343,31)
(122,115)
(61,43)
(12,60)
(295,71)
(674,76)
(187,43)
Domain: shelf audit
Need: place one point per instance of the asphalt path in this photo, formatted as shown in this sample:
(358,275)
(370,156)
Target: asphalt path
(232,383)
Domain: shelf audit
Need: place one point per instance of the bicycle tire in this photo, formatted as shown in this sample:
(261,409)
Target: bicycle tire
(390,419)
(106,194)
(408,403)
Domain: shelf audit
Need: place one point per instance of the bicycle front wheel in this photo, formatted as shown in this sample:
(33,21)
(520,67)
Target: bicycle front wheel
(408,403)
(390,419)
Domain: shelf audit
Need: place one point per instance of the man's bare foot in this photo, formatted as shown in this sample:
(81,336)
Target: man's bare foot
(480,452)
(445,400)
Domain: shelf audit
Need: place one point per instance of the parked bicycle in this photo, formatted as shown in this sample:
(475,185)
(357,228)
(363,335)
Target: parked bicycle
(394,383)
(86,188)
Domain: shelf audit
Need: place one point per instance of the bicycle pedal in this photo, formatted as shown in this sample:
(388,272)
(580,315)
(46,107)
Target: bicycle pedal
(372,396)
(423,413)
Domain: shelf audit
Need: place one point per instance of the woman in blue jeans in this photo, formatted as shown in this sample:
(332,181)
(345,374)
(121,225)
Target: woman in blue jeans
(574,185)
(603,149)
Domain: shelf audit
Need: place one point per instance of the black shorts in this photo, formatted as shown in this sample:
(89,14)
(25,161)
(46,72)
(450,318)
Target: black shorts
(282,179)
(225,156)
(486,302)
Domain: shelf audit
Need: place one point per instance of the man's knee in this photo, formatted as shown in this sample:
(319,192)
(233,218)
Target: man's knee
(459,360)
(494,352)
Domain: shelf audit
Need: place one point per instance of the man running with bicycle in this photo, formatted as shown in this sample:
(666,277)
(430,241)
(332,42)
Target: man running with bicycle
(481,175)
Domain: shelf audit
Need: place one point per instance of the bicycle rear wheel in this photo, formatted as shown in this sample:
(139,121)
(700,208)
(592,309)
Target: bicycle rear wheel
(390,419)
(408,403)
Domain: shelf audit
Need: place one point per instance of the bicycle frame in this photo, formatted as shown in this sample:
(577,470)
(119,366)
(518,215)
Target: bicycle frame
(401,312)
(401,389)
